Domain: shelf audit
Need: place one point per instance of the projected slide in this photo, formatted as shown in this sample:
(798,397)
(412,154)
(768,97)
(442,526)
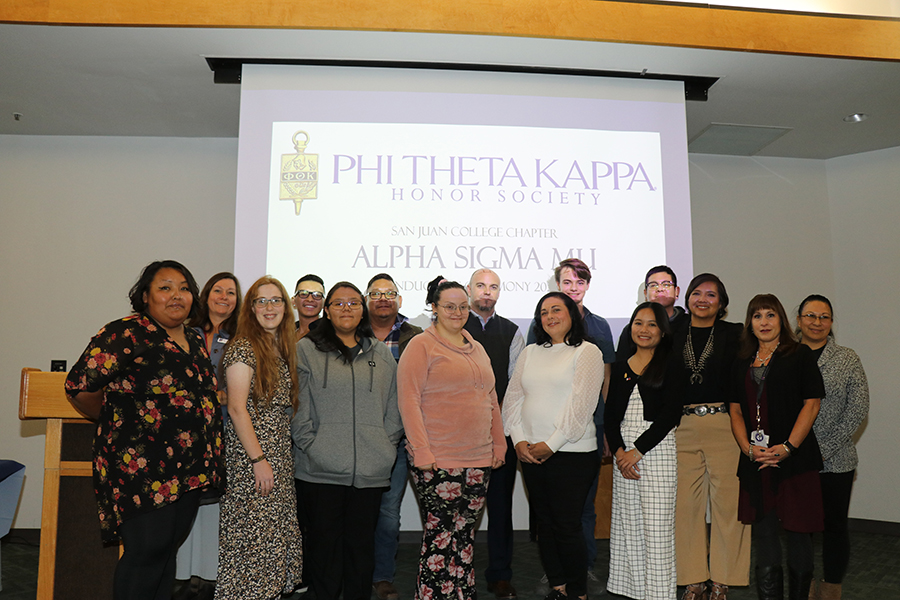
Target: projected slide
(350,183)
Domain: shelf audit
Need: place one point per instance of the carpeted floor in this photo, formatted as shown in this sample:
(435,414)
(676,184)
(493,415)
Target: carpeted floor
(874,569)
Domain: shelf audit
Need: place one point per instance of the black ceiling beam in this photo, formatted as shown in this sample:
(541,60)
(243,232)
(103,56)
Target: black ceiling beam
(228,70)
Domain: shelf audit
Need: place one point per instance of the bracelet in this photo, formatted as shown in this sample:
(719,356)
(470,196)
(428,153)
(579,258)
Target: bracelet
(750,452)
(258,459)
(787,449)
(790,447)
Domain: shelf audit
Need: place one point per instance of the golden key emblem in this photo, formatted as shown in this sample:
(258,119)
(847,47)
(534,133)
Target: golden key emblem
(299,173)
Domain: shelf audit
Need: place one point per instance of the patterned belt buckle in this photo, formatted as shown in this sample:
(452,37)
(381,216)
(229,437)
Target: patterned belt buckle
(701,410)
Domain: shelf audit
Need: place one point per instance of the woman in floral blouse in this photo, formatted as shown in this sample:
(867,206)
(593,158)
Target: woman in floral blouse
(148,382)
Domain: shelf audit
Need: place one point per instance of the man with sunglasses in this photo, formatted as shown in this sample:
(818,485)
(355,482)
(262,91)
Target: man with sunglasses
(503,343)
(384,302)
(309,296)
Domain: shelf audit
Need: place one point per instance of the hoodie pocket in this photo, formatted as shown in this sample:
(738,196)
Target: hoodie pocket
(377,455)
(331,452)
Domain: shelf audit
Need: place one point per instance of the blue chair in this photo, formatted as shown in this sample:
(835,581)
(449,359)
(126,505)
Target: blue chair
(12,476)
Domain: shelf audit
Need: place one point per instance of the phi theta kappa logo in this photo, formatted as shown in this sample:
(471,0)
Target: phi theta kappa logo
(299,173)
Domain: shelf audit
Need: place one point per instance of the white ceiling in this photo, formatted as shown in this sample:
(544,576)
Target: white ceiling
(156,82)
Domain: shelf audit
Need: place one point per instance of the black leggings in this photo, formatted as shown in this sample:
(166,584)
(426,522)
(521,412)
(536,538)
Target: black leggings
(146,570)
(836,488)
(766,538)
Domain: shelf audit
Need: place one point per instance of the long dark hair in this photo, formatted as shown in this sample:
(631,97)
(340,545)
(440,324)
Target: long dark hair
(142,286)
(749,343)
(325,337)
(575,335)
(706,278)
(201,319)
(655,371)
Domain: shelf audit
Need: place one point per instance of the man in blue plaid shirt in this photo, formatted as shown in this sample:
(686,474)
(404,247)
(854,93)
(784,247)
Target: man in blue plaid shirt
(384,301)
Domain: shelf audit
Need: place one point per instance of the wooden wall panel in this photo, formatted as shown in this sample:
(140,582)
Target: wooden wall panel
(593,20)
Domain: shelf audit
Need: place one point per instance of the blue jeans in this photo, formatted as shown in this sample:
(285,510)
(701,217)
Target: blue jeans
(387,532)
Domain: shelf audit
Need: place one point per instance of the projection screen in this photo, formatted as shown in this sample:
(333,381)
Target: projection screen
(347,172)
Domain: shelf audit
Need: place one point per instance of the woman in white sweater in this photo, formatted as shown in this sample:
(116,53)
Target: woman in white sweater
(548,412)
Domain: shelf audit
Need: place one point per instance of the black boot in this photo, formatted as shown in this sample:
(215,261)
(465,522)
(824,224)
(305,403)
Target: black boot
(798,584)
(770,583)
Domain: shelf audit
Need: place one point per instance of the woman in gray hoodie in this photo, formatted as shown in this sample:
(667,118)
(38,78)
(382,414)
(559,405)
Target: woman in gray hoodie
(345,435)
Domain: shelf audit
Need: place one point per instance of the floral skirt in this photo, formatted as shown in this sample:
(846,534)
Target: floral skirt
(451,501)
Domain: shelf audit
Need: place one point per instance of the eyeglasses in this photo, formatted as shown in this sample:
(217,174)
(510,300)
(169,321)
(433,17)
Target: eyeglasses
(350,304)
(812,318)
(390,295)
(452,308)
(307,293)
(666,285)
(261,302)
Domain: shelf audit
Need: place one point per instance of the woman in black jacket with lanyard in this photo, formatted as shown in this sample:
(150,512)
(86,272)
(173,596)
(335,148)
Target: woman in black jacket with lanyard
(776,393)
(642,410)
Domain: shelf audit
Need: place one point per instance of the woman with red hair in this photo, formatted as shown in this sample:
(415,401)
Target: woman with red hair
(259,539)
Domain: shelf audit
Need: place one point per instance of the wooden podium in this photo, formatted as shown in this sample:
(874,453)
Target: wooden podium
(74,563)
(603,500)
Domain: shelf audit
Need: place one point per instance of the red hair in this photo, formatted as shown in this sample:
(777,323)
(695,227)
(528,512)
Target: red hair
(266,347)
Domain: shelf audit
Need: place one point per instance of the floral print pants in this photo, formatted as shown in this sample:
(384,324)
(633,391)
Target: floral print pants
(451,500)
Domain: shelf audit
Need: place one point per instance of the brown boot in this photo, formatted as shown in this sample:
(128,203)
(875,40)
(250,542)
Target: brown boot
(829,591)
(718,591)
(814,590)
(695,591)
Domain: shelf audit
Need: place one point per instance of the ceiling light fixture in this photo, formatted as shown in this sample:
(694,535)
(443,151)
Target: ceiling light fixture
(856,118)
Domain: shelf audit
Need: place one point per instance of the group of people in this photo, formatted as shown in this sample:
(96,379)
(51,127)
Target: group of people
(749,424)
(285,439)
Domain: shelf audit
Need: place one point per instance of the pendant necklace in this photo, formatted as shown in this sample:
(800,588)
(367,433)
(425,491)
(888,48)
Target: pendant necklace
(697,366)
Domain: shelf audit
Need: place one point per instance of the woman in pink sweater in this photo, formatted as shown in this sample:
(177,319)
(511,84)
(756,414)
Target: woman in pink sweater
(454,438)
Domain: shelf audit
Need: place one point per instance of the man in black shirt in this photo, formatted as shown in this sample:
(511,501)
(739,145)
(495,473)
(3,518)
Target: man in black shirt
(503,342)
(660,286)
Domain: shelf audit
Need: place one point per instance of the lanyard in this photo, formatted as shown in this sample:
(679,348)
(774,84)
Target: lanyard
(759,391)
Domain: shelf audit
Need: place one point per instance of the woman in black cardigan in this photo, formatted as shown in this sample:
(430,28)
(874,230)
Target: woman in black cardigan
(776,393)
(642,411)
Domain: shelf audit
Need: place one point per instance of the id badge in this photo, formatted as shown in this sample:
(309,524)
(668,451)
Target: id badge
(759,438)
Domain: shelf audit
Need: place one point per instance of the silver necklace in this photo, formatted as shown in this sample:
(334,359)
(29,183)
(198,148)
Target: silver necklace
(697,366)
(762,361)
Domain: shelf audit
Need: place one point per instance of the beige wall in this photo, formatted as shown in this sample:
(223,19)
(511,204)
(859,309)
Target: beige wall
(864,198)
(79,216)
